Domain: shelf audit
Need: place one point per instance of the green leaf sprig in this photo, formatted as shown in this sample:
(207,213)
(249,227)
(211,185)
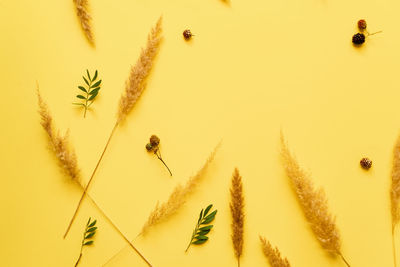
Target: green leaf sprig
(88,234)
(203,227)
(91,90)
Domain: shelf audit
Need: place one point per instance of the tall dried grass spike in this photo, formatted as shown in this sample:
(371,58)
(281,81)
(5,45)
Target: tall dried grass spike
(395,192)
(135,85)
(82,11)
(178,197)
(313,202)
(273,254)
(59,144)
(237,212)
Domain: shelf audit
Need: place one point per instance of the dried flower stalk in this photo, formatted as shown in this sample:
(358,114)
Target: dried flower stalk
(82,11)
(68,161)
(135,85)
(273,254)
(177,198)
(314,204)
(395,193)
(133,90)
(237,212)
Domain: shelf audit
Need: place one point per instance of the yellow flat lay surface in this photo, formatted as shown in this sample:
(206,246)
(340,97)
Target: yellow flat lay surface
(254,68)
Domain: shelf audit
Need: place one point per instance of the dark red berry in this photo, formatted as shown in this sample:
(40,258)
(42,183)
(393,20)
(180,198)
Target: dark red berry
(358,38)
(366,163)
(362,24)
(154,141)
(187,34)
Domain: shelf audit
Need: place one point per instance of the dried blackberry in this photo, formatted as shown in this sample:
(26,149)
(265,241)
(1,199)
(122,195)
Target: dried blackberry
(358,38)
(362,24)
(366,163)
(187,34)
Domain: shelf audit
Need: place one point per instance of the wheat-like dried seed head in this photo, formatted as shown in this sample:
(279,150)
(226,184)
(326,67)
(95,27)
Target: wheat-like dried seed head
(59,144)
(395,187)
(178,197)
(135,85)
(82,11)
(237,212)
(313,202)
(273,254)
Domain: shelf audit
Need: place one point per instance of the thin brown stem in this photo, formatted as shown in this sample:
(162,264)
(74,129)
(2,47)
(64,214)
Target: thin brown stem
(394,246)
(238,262)
(344,260)
(90,181)
(77,262)
(158,154)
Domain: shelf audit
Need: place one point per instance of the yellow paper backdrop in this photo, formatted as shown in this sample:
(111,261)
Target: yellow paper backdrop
(254,67)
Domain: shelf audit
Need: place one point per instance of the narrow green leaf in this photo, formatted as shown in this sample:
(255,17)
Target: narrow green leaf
(80,104)
(88,221)
(199,242)
(94,90)
(81,97)
(96,84)
(210,217)
(91,229)
(93,223)
(93,96)
(95,76)
(88,243)
(90,235)
(208,227)
(82,88)
(88,75)
(86,81)
(200,217)
(207,209)
(204,232)
(202,237)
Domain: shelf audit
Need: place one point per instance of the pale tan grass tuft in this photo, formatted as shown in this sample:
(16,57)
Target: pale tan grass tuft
(59,144)
(178,197)
(273,254)
(135,85)
(395,192)
(237,212)
(314,204)
(82,11)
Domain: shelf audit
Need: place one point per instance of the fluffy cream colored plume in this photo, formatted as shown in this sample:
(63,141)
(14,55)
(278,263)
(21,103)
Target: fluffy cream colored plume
(82,11)
(178,197)
(135,85)
(237,212)
(395,193)
(60,144)
(273,254)
(314,204)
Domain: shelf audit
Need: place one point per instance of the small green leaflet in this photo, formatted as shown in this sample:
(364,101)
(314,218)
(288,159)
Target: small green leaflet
(203,227)
(90,231)
(90,90)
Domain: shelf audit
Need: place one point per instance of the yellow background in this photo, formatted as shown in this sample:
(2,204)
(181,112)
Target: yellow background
(254,67)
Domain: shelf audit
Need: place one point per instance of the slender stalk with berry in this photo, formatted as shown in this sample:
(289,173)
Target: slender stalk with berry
(153,146)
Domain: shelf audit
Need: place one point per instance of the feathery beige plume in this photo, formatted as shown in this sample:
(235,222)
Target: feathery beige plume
(395,193)
(178,197)
(273,254)
(60,144)
(82,11)
(135,85)
(314,204)
(237,212)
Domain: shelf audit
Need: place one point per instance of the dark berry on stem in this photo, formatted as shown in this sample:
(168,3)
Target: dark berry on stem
(154,140)
(187,34)
(358,38)
(362,24)
(366,163)
(149,147)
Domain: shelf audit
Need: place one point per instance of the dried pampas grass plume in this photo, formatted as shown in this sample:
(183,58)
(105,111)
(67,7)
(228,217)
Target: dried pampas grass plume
(395,193)
(237,212)
(273,254)
(133,90)
(135,85)
(178,197)
(314,204)
(59,144)
(82,11)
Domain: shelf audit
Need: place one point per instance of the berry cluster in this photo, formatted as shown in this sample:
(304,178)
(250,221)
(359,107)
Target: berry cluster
(359,38)
(153,146)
